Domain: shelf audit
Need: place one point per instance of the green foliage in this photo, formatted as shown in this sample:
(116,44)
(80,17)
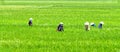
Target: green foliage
(59,0)
(17,36)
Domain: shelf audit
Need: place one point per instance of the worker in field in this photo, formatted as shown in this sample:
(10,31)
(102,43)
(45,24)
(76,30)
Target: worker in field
(30,22)
(92,24)
(60,27)
(87,27)
(101,24)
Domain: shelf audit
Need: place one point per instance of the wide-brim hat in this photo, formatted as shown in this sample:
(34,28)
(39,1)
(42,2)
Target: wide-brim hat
(101,22)
(86,23)
(30,19)
(92,23)
(61,22)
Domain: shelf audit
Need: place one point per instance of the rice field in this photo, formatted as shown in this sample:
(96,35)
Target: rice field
(17,36)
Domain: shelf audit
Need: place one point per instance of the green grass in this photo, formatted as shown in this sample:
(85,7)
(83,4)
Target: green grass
(17,36)
(59,0)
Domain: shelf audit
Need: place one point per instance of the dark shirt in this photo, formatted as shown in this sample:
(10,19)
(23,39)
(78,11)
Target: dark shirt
(100,25)
(93,25)
(86,27)
(60,27)
(30,23)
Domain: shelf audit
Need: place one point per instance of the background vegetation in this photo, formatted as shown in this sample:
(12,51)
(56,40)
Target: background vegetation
(17,36)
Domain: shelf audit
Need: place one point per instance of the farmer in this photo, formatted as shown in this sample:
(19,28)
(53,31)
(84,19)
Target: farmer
(87,27)
(30,22)
(101,24)
(60,27)
(92,24)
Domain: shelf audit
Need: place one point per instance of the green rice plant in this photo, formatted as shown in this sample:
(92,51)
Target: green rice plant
(17,36)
